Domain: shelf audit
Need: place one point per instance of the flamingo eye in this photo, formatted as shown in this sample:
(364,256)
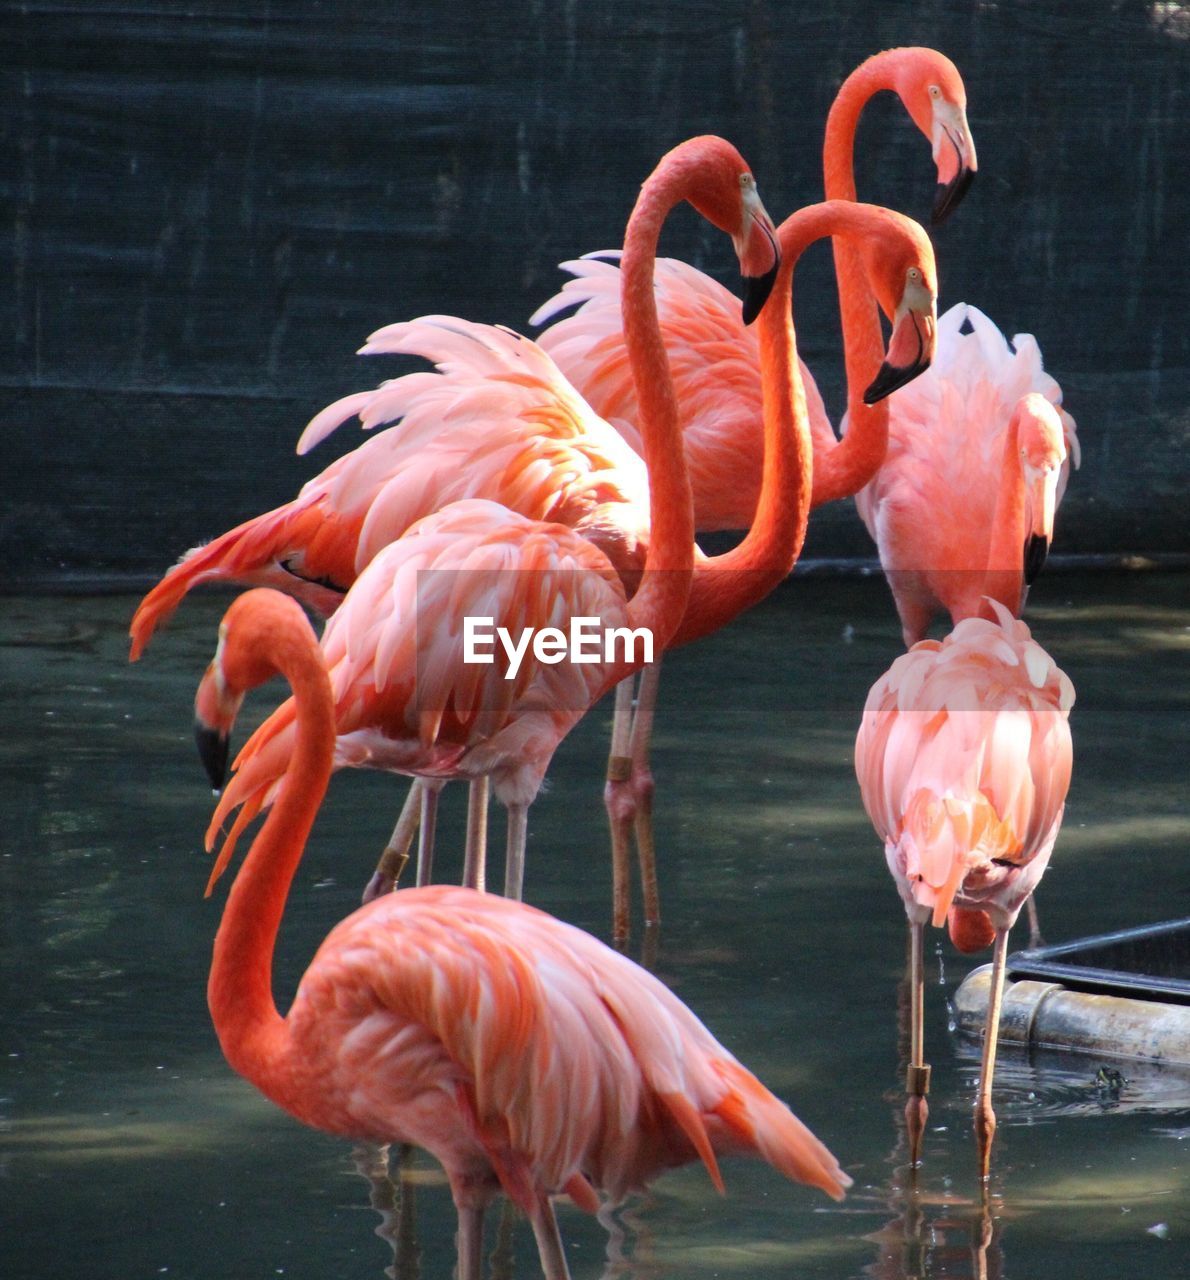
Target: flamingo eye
(935,92)
(914,276)
(746,181)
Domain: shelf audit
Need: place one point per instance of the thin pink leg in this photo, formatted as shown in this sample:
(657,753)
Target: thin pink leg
(430,791)
(396,852)
(985,1117)
(514,855)
(618,801)
(475,858)
(917,1075)
(643,788)
(549,1242)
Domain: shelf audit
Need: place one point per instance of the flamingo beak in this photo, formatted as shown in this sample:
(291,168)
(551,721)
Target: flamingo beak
(910,350)
(954,155)
(1043,494)
(759,255)
(213,750)
(215,710)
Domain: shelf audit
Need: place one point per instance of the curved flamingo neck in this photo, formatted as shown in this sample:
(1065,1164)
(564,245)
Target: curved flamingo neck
(843,467)
(724,586)
(240,989)
(665,583)
(1005,563)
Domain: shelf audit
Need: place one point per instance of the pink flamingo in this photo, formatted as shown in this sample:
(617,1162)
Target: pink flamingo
(966,514)
(523,1054)
(963,759)
(406,696)
(381,718)
(715,362)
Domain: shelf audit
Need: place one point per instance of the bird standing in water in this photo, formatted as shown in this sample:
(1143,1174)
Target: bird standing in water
(963,759)
(526,1056)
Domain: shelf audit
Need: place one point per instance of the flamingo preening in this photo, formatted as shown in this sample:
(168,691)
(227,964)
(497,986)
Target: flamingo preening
(523,1054)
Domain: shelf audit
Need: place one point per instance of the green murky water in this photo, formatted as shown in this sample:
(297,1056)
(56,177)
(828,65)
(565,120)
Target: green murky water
(129,1149)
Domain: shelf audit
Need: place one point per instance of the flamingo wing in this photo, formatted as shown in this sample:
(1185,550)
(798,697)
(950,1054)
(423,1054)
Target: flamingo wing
(570,1062)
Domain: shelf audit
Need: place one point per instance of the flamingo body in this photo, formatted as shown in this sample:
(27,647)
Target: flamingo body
(497,420)
(504,1041)
(964,758)
(408,699)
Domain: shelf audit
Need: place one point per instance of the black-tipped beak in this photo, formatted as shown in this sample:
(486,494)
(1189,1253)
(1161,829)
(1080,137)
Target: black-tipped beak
(949,195)
(1036,550)
(756,292)
(890,377)
(213,749)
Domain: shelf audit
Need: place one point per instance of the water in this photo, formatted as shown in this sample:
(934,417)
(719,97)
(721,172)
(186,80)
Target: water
(129,1149)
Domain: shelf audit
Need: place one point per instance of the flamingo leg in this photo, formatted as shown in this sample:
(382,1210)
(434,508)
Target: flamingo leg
(514,857)
(1035,938)
(502,1258)
(396,852)
(426,832)
(985,1117)
(549,1242)
(475,859)
(917,1075)
(617,800)
(643,787)
(469,1243)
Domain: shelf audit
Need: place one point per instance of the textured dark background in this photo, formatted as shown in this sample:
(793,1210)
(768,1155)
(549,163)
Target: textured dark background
(211,205)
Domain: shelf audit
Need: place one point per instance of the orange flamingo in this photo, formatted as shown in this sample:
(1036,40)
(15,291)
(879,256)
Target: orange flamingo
(966,514)
(715,359)
(523,1054)
(715,362)
(407,697)
(381,718)
(963,759)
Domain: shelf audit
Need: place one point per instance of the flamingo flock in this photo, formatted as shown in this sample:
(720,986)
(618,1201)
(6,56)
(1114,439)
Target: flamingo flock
(539,486)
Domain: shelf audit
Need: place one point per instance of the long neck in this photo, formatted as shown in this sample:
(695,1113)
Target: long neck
(240,988)
(1005,577)
(665,583)
(724,586)
(846,466)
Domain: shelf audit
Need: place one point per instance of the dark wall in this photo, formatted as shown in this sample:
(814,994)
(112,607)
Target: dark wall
(212,207)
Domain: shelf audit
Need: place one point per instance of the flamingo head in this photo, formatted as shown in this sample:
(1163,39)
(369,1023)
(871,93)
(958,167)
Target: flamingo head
(725,194)
(900,268)
(244,658)
(932,90)
(1042,445)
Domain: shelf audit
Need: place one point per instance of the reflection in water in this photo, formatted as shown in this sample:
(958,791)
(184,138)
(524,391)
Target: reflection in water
(121,1110)
(395,1203)
(938,1237)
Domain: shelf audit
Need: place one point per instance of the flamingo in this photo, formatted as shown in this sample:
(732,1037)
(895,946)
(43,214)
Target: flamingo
(965,515)
(715,362)
(963,758)
(526,1056)
(715,358)
(407,696)
(382,626)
